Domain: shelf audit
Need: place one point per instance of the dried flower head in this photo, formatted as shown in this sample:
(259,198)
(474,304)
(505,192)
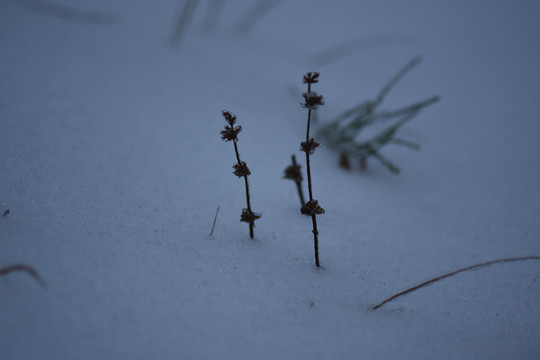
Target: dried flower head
(230,133)
(312,100)
(311,78)
(249,216)
(312,207)
(241,169)
(309,146)
(229,117)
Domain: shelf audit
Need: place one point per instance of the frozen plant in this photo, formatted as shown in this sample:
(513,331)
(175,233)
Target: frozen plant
(343,132)
(312,101)
(230,133)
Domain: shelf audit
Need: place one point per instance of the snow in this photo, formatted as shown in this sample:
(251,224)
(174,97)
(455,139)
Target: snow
(112,166)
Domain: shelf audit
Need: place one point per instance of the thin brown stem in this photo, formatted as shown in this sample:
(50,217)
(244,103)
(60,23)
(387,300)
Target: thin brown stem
(237,153)
(313,217)
(308,124)
(310,191)
(308,169)
(214,224)
(425,283)
(311,208)
(315,239)
(230,133)
(251,224)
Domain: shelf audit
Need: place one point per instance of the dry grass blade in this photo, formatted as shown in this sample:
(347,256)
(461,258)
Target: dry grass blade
(419,286)
(214,224)
(24,268)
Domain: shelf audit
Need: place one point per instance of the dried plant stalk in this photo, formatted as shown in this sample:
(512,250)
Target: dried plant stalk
(230,133)
(312,101)
(24,268)
(438,278)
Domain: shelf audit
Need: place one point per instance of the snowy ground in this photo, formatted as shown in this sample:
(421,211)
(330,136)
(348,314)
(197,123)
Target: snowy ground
(112,167)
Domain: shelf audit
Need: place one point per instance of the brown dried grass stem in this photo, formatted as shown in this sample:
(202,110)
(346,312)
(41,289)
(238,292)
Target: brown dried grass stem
(24,268)
(419,286)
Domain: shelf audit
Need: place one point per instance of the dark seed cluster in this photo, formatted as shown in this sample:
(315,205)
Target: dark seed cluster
(312,207)
(309,146)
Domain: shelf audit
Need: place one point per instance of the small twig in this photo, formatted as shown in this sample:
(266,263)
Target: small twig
(214,224)
(24,268)
(452,274)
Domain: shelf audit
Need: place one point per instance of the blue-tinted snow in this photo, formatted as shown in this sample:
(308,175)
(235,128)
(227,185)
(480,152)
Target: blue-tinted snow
(112,167)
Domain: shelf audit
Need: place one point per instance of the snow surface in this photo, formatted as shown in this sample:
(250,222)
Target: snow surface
(112,167)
